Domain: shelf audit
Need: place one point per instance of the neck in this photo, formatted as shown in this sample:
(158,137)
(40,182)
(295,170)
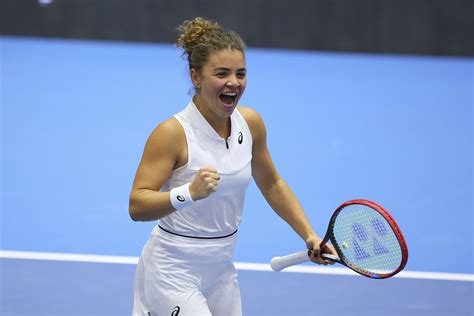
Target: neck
(220,124)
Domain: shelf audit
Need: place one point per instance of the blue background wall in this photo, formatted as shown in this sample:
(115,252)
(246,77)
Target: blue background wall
(398,130)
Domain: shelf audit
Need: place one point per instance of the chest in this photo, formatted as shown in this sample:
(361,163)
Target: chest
(227,156)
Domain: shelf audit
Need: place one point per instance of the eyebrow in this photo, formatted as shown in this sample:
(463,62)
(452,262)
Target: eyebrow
(227,69)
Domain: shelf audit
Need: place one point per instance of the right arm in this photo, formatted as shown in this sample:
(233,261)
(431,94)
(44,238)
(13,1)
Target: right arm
(165,150)
(162,153)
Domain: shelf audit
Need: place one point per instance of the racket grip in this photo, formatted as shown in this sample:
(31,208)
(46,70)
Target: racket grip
(280,263)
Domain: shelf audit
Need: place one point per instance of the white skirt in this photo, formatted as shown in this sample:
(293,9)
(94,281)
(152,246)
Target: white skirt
(182,276)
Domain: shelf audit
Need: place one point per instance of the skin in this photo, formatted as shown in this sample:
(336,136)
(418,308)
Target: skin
(166,150)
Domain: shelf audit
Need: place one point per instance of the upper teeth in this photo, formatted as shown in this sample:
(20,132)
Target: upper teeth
(230,94)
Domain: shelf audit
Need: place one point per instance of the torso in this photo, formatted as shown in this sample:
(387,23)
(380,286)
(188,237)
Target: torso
(221,212)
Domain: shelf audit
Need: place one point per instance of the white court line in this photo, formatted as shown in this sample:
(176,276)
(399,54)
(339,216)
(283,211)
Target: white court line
(8,254)
(54,256)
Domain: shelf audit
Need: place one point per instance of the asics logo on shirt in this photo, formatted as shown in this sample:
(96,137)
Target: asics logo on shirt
(180,198)
(241,138)
(175,311)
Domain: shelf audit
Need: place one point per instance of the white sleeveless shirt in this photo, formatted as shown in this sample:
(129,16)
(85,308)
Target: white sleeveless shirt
(220,213)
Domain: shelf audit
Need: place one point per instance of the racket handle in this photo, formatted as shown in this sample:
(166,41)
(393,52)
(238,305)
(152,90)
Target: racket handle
(280,263)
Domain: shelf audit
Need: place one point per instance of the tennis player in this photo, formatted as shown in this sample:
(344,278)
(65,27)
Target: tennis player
(192,178)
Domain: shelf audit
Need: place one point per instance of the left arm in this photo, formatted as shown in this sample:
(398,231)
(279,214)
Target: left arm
(275,190)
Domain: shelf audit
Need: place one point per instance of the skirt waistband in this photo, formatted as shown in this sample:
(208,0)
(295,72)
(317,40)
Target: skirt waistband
(196,237)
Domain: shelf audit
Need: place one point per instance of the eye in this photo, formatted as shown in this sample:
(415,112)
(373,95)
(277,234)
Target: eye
(241,75)
(221,74)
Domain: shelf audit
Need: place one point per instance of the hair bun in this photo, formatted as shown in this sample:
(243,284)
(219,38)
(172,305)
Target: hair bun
(191,32)
(200,37)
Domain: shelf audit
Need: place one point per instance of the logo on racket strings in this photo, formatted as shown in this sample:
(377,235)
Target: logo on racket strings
(180,198)
(175,311)
(363,239)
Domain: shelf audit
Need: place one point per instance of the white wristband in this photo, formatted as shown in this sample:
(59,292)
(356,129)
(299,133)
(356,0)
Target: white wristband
(180,196)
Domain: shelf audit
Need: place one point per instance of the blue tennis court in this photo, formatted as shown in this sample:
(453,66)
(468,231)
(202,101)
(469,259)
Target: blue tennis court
(394,129)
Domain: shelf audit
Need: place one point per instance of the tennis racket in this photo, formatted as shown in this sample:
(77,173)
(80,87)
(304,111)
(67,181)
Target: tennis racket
(366,238)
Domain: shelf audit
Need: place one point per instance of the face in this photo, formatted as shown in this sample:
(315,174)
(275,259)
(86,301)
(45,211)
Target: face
(221,82)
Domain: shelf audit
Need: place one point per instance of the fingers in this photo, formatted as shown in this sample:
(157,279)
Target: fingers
(207,170)
(212,186)
(210,178)
(328,249)
(205,183)
(315,256)
(315,251)
(209,174)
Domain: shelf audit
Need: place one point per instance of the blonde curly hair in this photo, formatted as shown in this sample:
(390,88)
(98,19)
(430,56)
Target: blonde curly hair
(200,38)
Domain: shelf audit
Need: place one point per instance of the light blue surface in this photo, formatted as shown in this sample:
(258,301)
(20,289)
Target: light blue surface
(393,129)
(91,289)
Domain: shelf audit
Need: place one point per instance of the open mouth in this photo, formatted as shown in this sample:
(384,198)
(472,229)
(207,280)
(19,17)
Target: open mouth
(228,98)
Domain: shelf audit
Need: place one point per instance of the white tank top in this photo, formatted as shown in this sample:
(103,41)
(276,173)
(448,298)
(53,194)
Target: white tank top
(220,213)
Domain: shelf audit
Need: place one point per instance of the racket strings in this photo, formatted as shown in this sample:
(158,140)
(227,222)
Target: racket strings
(366,240)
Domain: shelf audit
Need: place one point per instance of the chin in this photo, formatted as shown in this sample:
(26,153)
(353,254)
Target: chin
(226,109)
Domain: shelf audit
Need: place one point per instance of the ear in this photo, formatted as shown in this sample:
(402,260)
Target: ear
(195,78)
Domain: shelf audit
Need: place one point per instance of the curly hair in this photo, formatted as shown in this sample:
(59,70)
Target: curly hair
(200,38)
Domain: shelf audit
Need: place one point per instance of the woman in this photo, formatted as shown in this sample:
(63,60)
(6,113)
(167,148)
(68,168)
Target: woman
(192,177)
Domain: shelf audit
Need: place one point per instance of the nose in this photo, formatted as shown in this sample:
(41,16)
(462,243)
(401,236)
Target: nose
(233,82)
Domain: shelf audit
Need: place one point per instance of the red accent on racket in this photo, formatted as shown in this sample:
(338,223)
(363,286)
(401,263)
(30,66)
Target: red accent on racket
(366,238)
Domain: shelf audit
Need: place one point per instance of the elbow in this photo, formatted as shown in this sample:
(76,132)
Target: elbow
(141,209)
(132,214)
(132,210)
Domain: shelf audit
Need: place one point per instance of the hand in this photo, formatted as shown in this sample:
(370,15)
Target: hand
(205,182)
(314,250)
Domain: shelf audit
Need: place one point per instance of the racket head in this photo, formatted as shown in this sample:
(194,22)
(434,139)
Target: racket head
(367,239)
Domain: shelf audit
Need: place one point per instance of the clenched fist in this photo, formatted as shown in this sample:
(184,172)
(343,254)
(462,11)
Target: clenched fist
(205,182)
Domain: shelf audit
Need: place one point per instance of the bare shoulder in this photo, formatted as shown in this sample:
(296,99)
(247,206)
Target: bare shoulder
(249,114)
(254,121)
(168,135)
(163,151)
(169,127)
